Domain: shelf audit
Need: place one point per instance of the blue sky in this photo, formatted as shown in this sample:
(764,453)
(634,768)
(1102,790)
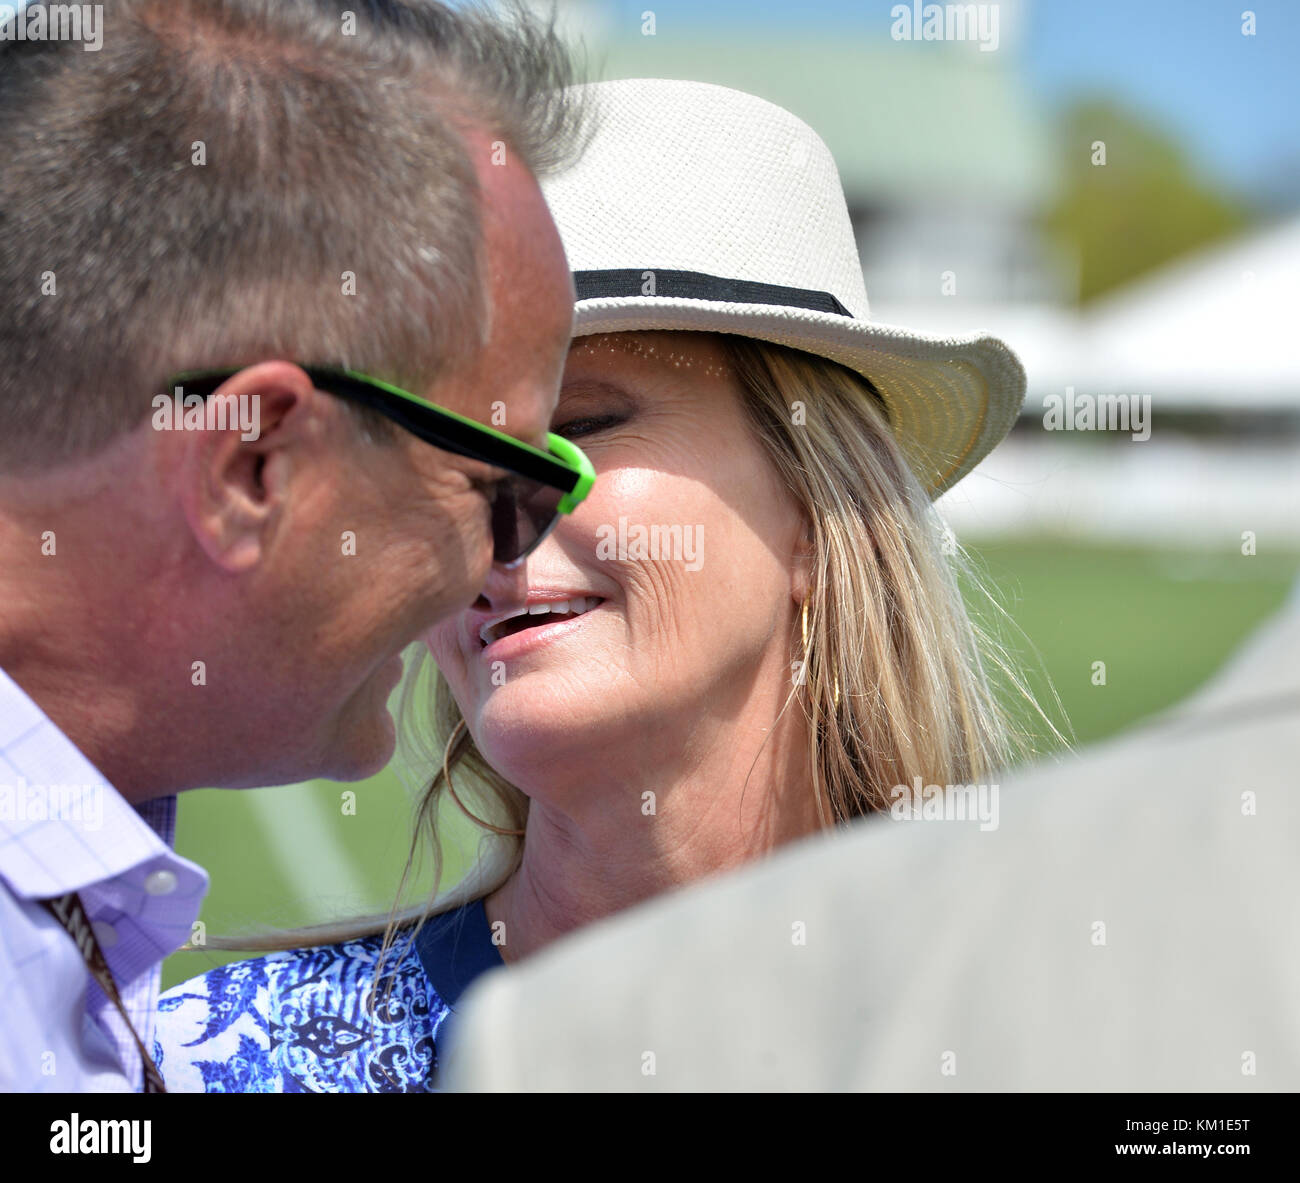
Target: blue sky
(1232,101)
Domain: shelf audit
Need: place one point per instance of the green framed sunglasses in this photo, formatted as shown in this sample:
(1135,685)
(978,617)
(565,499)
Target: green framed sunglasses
(525,505)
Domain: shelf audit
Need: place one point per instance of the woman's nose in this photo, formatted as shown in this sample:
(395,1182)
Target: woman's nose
(503,586)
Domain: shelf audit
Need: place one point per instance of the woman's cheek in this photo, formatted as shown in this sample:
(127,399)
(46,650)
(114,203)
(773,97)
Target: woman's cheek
(627,491)
(446,654)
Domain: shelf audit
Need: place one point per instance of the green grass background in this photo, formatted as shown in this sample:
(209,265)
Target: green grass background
(1163,620)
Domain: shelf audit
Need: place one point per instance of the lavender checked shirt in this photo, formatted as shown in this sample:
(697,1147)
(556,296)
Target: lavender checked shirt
(64,828)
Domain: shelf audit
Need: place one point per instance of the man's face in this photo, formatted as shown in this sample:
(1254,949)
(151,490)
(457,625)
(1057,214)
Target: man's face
(421,516)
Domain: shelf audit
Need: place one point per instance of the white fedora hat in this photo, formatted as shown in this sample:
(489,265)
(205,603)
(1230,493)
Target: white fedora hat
(700,207)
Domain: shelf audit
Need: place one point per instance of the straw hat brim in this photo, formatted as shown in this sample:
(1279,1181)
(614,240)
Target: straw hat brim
(950,400)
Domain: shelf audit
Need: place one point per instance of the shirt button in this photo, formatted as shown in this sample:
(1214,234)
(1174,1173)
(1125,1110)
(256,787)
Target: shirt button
(105,934)
(160,882)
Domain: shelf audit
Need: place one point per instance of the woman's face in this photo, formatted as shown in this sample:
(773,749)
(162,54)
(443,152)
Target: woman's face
(677,581)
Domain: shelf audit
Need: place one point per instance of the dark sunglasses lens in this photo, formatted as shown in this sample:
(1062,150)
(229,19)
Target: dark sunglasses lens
(523,513)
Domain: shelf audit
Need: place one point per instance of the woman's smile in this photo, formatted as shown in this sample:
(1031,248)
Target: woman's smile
(539,621)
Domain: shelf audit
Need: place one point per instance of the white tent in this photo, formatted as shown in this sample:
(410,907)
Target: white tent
(1218,330)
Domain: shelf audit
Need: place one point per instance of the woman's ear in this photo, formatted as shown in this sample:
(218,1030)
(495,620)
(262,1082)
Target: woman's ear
(801,567)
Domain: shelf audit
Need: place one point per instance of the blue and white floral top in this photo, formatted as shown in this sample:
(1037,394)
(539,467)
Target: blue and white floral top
(297,1022)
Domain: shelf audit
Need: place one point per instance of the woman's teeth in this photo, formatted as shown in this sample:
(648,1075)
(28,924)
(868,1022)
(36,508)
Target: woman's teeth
(572,607)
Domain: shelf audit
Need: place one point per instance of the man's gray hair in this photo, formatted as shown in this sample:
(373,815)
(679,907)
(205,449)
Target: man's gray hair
(227,181)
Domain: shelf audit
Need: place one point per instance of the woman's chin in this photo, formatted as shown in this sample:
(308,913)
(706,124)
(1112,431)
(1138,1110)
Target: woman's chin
(517,733)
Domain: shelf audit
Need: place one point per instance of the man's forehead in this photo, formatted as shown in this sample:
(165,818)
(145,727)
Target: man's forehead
(510,383)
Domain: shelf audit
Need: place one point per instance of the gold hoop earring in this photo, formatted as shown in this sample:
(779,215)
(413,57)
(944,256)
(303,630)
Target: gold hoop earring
(804,626)
(446,776)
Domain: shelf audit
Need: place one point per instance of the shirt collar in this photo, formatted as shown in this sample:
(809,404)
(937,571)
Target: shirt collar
(455,948)
(62,825)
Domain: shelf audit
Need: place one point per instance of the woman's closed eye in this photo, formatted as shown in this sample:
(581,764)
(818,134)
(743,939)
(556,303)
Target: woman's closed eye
(588,425)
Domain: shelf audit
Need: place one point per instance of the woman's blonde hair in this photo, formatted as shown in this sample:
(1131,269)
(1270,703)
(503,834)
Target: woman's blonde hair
(892,674)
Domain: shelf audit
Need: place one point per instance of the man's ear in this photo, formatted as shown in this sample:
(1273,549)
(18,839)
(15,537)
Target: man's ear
(234,482)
